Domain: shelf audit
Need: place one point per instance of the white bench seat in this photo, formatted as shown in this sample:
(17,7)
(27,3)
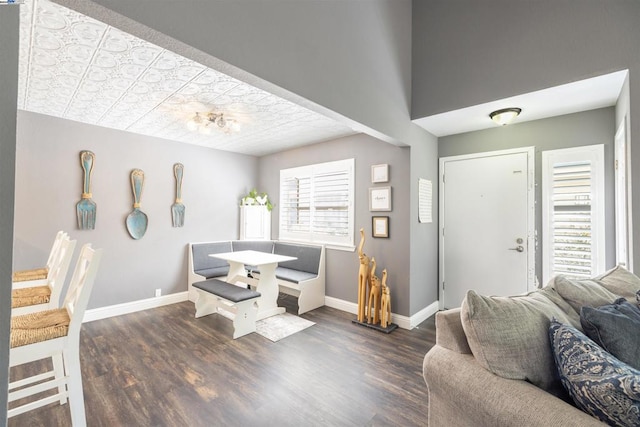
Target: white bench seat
(214,295)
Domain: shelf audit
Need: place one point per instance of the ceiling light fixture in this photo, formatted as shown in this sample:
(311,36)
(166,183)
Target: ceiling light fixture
(505,116)
(205,121)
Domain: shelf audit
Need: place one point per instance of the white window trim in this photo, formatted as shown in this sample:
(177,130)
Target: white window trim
(594,153)
(346,243)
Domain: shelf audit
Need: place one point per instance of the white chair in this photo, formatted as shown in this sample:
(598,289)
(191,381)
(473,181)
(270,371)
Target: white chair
(55,334)
(29,299)
(38,276)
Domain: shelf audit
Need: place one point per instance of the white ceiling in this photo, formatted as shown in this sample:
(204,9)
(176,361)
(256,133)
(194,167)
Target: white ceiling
(583,95)
(77,68)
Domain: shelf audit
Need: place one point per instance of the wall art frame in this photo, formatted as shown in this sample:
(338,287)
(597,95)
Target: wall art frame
(379,199)
(380,226)
(379,173)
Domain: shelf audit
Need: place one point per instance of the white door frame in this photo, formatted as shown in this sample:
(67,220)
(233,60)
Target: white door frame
(531,243)
(623,200)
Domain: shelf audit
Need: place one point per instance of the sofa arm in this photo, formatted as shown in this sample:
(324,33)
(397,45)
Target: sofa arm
(449,332)
(462,393)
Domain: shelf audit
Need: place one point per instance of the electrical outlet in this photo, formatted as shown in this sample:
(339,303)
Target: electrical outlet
(158,292)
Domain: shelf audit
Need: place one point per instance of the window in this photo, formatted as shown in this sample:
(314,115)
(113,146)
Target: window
(316,203)
(573,212)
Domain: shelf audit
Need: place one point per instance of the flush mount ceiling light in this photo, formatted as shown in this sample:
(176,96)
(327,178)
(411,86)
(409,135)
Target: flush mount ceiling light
(505,116)
(204,122)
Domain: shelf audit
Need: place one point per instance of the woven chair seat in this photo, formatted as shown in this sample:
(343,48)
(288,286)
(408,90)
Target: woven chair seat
(37,327)
(34,274)
(25,297)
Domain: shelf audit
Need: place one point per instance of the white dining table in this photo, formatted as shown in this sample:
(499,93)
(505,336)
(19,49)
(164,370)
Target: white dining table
(267,282)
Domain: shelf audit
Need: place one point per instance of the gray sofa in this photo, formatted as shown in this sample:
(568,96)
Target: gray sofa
(492,364)
(303,277)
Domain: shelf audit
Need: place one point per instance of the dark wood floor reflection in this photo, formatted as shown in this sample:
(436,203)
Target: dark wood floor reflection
(163,367)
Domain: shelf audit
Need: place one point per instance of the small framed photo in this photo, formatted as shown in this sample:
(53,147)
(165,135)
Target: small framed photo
(380,226)
(379,173)
(380,199)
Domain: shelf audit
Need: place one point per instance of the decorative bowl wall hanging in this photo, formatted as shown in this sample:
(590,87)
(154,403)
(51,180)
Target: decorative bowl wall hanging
(137,220)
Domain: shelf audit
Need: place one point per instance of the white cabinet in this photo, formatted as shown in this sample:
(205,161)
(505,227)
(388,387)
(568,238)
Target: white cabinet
(255,223)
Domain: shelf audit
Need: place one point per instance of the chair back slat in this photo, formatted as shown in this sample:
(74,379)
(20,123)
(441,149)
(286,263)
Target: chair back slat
(60,236)
(81,284)
(58,274)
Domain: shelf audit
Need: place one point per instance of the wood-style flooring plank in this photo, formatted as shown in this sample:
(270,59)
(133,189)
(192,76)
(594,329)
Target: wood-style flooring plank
(163,367)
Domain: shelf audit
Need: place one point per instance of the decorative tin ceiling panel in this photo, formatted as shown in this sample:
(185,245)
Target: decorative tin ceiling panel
(77,68)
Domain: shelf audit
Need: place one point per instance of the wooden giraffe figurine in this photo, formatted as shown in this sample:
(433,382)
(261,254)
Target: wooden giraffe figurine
(385,304)
(363,280)
(374,295)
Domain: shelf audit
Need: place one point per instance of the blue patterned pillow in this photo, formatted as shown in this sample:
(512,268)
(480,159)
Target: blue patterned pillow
(598,383)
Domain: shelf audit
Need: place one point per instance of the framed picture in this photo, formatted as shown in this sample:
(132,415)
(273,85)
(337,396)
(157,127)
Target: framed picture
(380,199)
(380,173)
(380,226)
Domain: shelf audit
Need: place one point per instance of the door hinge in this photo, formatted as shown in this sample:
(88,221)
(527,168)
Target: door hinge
(443,231)
(443,285)
(443,178)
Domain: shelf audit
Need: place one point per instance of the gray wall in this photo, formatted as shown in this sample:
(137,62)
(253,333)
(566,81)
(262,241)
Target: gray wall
(467,52)
(391,253)
(9,20)
(424,237)
(573,130)
(49,184)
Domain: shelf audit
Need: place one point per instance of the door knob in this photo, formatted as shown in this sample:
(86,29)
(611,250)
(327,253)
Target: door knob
(517,248)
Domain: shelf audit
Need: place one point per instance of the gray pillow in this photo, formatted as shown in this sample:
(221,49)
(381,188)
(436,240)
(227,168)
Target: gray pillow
(509,335)
(579,293)
(620,281)
(615,328)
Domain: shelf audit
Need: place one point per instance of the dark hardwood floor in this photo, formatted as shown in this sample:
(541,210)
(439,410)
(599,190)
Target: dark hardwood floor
(163,367)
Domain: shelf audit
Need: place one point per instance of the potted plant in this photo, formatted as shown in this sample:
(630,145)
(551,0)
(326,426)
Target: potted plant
(253,198)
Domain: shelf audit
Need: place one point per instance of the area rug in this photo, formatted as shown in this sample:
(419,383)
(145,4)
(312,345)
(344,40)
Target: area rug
(281,326)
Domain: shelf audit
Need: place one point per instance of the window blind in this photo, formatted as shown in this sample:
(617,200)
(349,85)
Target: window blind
(316,203)
(572,219)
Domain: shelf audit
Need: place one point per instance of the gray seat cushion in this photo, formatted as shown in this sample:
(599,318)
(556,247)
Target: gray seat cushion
(308,257)
(226,290)
(294,276)
(201,258)
(213,272)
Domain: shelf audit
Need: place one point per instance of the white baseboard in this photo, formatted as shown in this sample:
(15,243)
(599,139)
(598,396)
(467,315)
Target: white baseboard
(424,314)
(133,306)
(403,322)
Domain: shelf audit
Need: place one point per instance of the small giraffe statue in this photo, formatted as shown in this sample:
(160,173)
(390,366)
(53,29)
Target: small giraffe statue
(374,295)
(363,280)
(385,305)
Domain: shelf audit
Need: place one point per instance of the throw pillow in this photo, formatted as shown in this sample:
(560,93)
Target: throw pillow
(615,328)
(579,293)
(598,383)
(509,335)
(620,281)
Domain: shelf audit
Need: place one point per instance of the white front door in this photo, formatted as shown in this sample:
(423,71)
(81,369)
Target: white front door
(486,220)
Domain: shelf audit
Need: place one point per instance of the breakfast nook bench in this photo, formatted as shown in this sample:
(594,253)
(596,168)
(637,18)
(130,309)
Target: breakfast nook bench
(303,277)
(214,295)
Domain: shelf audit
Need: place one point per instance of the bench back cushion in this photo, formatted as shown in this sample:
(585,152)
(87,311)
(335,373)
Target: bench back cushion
(253,245)
(308,256)
(201,258)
